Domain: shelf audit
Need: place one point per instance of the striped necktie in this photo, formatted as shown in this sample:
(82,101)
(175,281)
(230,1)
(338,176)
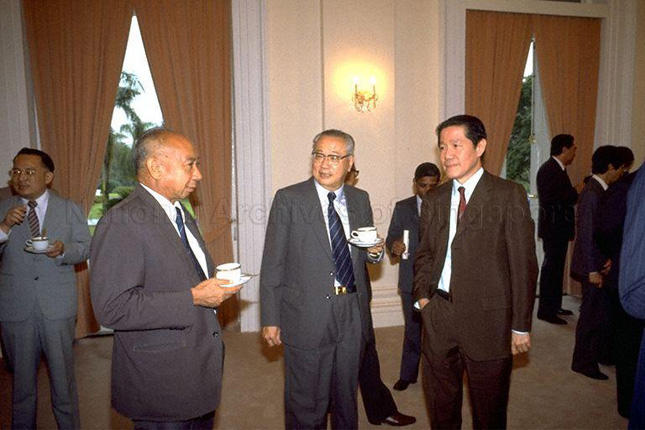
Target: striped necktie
(34,225)
(339,248)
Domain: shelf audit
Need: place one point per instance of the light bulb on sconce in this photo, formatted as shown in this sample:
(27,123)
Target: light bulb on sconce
(364,100)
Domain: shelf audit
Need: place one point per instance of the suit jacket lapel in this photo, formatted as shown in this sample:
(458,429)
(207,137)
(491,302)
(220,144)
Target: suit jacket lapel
(353,215)
(52,211)
(163,224)
(313,210)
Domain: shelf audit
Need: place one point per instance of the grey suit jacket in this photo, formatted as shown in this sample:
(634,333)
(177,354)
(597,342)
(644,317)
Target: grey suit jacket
(30,280)
(587,255)
(405,217)
(167,356)
(297,275)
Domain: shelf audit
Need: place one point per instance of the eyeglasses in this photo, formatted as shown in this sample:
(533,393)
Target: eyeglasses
(18,172)
(319,157)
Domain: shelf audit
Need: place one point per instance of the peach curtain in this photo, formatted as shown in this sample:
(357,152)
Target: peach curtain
(568,55)
(76,51)
(189,51)
(497,46)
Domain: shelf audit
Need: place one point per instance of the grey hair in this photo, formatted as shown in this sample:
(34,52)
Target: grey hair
(349,140)
(147,143)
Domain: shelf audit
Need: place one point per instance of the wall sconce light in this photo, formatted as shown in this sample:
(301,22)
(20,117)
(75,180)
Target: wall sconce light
(364,100)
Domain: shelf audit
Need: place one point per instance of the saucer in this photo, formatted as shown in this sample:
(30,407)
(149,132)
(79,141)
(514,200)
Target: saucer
(357,242)
(243,280)
(33,251)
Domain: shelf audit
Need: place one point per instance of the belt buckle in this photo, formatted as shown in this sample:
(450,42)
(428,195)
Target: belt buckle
(340,290)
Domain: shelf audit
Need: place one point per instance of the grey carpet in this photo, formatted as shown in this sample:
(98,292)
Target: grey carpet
(545,393)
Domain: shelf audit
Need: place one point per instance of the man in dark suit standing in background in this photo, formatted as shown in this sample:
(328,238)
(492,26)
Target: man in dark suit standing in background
(313,287)
(38,301)
(589,264)
(150,283)
(406,218)
(475,279)
(379,404)
(556,225)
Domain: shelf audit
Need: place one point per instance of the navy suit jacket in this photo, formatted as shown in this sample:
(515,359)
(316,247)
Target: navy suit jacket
(557,199)
(405,217)
(587,254)
(632,283)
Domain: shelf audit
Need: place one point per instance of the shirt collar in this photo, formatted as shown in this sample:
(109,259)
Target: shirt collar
(323,192)
(559,162)
(601,182)
(42,201)
(470,183)
(166,204)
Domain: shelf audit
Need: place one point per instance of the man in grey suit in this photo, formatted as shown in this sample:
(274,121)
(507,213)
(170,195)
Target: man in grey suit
(406,217)
(150,283)
(589,265)
(313,287)
(38,290)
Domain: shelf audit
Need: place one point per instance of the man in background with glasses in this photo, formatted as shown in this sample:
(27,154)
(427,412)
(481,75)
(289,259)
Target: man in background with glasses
(313,287)
(38,289)
(403,246)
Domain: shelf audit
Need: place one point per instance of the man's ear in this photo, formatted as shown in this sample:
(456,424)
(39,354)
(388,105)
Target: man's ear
(154,167)
(49,177)
(481,147)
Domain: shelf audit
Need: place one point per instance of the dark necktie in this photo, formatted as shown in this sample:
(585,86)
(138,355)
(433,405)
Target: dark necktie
(182,232)
(339,249)
(34,225)
(462,203)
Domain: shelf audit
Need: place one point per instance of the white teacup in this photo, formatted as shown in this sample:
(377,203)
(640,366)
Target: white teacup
(38,243)
(229,271)
(365,234)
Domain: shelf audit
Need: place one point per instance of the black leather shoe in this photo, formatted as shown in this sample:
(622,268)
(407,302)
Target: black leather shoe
(565,312)
(402,384)
(397,419)
(553,319)
(596,374)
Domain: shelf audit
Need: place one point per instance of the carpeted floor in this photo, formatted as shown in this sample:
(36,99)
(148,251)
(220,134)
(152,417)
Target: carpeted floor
(545,393)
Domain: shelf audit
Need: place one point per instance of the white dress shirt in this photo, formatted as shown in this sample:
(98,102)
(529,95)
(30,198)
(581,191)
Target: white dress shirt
(170,210)
(469,185)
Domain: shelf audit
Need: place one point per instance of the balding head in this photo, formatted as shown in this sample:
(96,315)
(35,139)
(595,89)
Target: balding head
(167,163)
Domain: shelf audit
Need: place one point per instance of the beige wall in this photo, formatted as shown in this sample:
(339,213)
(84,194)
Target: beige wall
(638,113)
(315,49)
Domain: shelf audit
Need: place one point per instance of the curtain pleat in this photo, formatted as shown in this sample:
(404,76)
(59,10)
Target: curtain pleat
(76,50)
(497,46)
(568,55)
(188,47)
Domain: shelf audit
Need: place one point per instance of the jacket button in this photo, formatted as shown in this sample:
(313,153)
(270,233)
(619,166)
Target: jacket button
(327,297)
(215,334)
(331,273)
(36,278)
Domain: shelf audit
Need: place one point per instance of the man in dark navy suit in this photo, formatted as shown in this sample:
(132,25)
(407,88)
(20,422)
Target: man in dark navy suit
(556,225)
(590,264)
(406,217)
